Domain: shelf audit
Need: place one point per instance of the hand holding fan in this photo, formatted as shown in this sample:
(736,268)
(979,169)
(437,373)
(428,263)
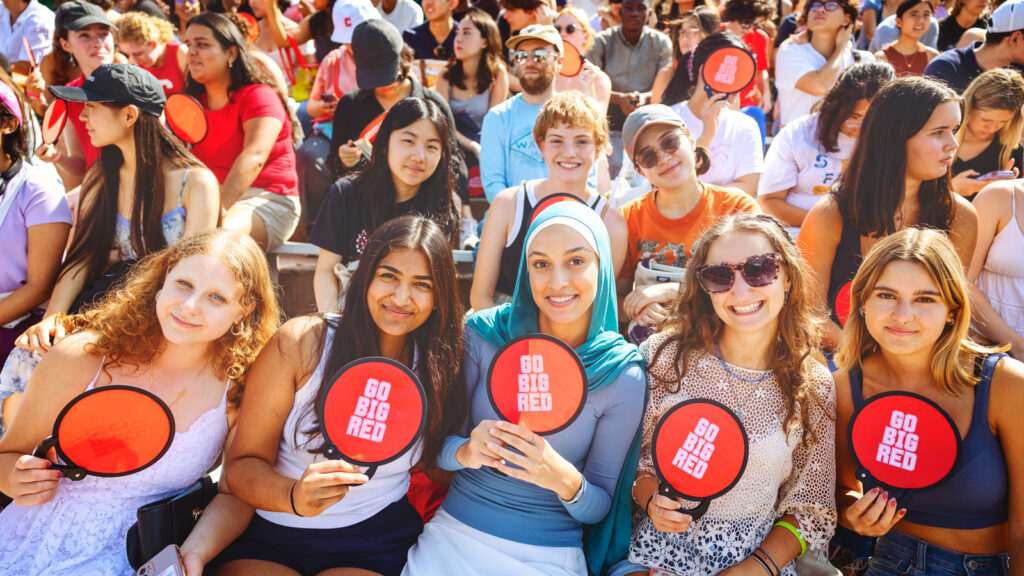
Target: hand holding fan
(54,119)
(369,135)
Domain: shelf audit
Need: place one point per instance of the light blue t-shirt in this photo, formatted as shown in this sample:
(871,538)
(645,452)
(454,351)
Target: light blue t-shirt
(511,154)
(595,443)
(888,32)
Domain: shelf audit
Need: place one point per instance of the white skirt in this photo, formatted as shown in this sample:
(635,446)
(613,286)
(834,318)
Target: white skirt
(447,546)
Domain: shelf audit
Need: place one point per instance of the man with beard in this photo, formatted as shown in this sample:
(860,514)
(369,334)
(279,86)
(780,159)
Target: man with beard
(631,54)
(511,154)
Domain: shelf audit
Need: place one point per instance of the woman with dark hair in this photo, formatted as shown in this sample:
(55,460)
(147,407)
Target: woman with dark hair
(898,177)
(911,334)
(185,327)
(411,170)
(730,137)
(667,10)
(908,55)
(34,223)
(966,14)
(808,155)
(315,515)
(249,142)
(806,71)
(742,333)
(475,78)
(518,501)
(686,33)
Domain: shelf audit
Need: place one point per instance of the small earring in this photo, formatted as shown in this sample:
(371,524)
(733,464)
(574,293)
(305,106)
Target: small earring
(861,310)
(240,331)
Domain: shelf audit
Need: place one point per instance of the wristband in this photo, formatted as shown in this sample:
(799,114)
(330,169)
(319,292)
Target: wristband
(763,564)
(768,557)
(647,508)
(291,497)
(642,475)
(578,495)
(32,95)
(799,536)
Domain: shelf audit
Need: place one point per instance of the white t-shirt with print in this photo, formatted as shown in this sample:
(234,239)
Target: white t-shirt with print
(797,162)
(736,148)
(792,62)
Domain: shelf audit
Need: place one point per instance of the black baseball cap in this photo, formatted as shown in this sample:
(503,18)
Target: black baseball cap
(120,83)
(377,49)
(78,14)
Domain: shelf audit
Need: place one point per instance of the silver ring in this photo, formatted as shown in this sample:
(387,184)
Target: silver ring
(532,440)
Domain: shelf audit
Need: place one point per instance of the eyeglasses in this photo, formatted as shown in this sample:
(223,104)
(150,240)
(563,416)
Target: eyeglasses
(691,33)
(568,28)
(669,145)
(827,6)
(758,271)
(539,55)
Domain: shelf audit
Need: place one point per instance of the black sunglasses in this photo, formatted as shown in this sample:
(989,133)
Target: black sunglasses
(669,145)
(568,28)
(758,271)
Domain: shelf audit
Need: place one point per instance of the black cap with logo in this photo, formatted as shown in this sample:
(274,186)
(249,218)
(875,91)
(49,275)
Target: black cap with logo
(120,83)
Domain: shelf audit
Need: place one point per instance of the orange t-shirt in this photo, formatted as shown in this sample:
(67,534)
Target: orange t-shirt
(669,241)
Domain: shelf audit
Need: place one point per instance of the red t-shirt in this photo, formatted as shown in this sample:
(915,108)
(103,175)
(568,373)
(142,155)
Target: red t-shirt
(226,136)
(169,73)
(74,111)
(757,41)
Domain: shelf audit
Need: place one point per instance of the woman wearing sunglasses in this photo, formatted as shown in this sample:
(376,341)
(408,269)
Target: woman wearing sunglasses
(518,501)
(898,177)
(665,224)
(806,71)
(571,24)
(185,327)
(742,334)
(910,333)
(571,135)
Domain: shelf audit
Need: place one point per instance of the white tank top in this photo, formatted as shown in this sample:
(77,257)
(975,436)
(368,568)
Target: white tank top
(387,486)
(1002,277)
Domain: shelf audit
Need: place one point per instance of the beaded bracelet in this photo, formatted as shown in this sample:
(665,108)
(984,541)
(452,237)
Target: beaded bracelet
(796,532)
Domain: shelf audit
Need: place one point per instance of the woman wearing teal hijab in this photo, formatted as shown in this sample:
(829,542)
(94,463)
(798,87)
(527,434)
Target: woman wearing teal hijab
(518,501)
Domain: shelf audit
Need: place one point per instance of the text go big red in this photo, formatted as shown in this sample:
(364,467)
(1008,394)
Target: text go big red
(534,386)
(695,454)
(371,414)
(899,443)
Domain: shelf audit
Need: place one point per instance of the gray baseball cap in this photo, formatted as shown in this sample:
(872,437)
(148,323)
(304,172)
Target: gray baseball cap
(377,49)
(643,117)
(541,32)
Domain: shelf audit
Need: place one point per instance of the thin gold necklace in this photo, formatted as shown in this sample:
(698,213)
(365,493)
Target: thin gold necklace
(183,391)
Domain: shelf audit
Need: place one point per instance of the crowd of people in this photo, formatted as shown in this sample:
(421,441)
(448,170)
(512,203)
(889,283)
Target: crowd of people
(841,228)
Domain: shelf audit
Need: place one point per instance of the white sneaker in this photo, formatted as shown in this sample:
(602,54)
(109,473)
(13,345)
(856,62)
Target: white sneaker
(468,238)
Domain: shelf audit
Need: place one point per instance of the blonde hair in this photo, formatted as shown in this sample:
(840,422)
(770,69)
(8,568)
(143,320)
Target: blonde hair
(954,352)
(574,110)
(142,28)
(126,322)
(998,89)
(580,17)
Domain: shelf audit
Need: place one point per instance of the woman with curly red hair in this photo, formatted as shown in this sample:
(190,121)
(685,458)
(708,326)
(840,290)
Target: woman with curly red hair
(185,326)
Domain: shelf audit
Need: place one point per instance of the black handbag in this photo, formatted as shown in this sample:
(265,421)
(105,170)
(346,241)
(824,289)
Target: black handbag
(168,521)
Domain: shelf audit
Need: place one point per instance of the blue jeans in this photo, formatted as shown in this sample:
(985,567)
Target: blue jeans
(897,554)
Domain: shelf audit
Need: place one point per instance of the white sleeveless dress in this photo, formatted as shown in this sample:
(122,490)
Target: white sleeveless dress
(82,530)
(1002,278)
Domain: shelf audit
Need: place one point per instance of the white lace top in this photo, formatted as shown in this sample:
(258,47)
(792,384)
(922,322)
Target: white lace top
(82,530)
(782,476)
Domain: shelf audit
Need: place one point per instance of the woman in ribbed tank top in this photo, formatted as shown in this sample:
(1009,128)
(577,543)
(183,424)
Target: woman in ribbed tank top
(571,134)
(909,333)
(898,177)
(314,514)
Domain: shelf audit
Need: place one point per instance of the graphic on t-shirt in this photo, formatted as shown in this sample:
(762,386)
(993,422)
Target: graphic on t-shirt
(525,144)
(669,253)
(361,242)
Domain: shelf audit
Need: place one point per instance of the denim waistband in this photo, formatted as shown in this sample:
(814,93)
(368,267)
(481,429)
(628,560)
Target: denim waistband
(913,556)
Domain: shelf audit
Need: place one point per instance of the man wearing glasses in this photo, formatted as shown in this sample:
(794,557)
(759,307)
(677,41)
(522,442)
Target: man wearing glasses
(631,54)
(510,154)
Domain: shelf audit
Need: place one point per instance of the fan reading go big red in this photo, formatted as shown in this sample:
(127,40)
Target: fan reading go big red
(729,70)
(903,441)
(537,382)
(110,431)
(374,411)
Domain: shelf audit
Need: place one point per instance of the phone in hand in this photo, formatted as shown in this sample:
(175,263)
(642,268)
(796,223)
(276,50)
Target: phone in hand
(997,175)
(167,562)
(328,97)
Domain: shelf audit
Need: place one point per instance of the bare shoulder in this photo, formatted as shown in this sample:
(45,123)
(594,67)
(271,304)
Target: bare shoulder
(1007,392)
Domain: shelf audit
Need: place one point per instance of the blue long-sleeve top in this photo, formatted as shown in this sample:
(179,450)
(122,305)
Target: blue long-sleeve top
(596,443)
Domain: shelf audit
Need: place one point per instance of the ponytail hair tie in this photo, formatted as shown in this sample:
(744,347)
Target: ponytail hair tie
(689,65)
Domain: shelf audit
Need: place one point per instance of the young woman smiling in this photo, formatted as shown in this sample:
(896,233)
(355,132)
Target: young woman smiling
(908,55)
(315,515)
(518,501)
(185,327)
(571,134)
(909,333)
(898,177)
(410,170)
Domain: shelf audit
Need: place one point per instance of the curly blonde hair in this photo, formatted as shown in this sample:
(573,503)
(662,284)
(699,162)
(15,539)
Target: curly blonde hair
(126,324)
(141,28)
(693,322)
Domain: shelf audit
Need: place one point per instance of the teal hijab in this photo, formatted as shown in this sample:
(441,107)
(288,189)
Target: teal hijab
(605,354)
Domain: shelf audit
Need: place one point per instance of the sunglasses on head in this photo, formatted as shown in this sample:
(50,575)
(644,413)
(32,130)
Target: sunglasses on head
(827,6)
(567,29)
(539,55)
(758,271)
(669,144)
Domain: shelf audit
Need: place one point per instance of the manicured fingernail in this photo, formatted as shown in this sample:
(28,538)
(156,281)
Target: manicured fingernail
(892,503)
(492,445)
(873,491)
(903,512)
